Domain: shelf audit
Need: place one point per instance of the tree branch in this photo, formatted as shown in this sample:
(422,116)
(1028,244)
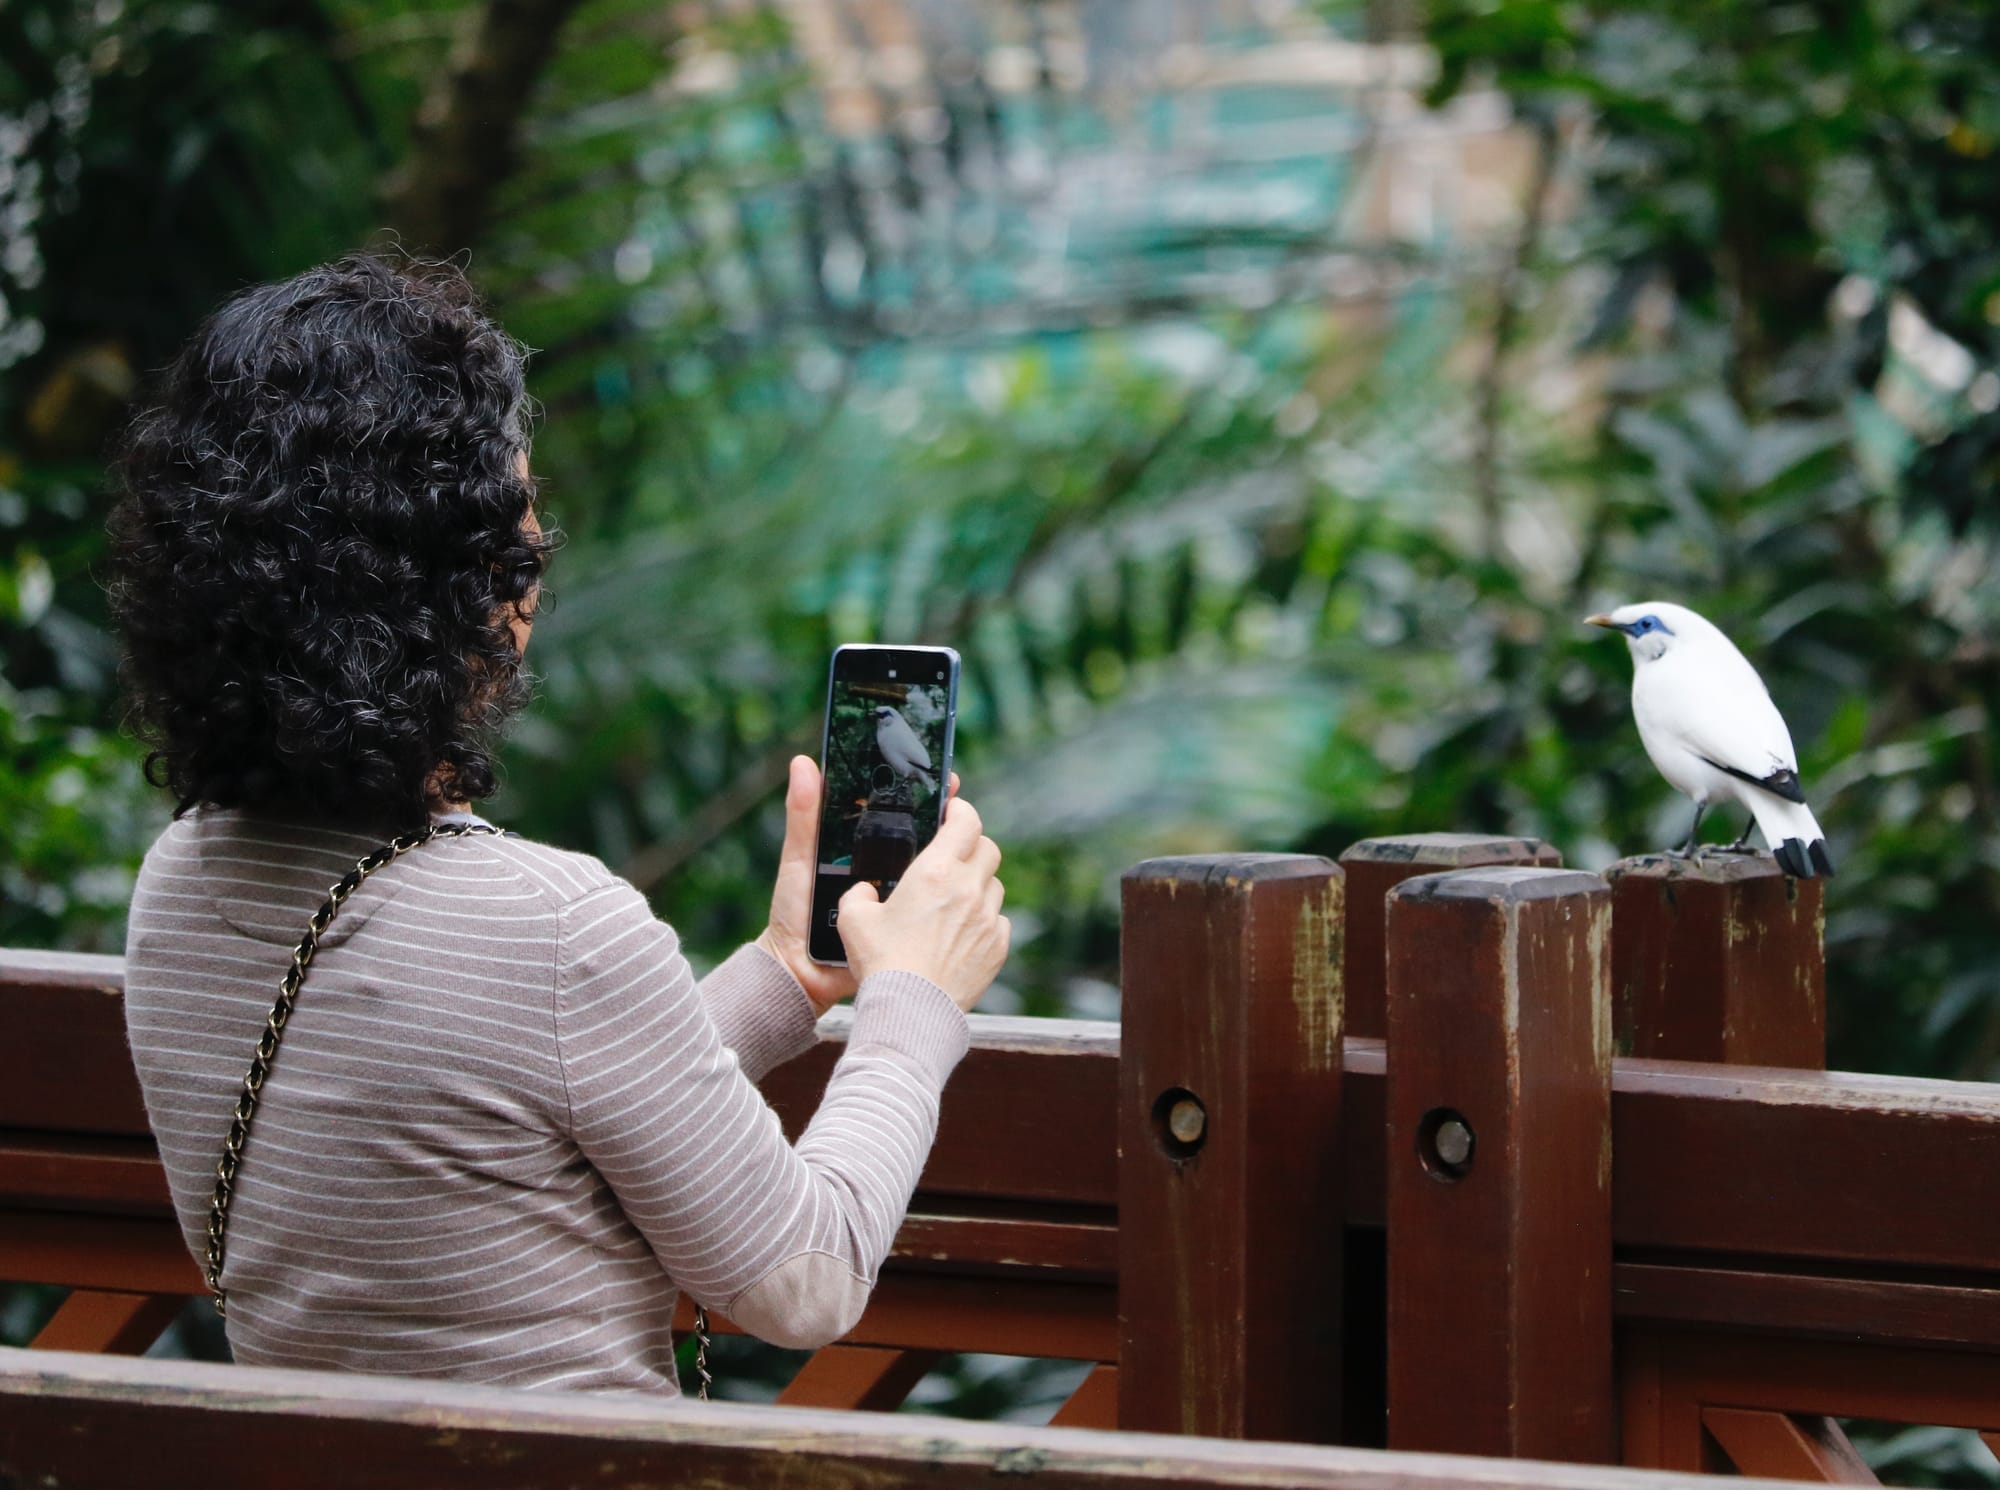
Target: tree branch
(468,129)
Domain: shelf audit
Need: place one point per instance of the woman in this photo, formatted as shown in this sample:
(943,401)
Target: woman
(506,1125)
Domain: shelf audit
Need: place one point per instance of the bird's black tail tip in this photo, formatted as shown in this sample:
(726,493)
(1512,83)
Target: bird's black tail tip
(1804,861)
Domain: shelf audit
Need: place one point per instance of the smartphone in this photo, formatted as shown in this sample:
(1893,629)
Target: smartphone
(885,762)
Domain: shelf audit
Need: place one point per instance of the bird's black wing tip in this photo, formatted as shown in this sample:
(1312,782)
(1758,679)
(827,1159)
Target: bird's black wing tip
(1802,860)
(1783,782)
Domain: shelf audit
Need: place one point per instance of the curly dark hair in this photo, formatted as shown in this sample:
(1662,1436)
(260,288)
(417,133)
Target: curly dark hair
(323,543)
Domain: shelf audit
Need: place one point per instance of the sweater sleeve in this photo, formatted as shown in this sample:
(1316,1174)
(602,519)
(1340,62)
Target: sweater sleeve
(759,1009)
(785,1240)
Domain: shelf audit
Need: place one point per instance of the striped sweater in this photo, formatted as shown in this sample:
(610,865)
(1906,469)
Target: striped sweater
(507,1125)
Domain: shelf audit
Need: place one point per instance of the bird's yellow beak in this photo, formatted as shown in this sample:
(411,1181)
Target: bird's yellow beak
(1605,621)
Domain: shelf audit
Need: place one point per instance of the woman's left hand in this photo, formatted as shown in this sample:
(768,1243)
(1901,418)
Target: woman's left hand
(787,938)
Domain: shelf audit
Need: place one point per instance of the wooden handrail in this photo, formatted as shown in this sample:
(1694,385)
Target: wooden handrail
(1807,1166)
(97,1423)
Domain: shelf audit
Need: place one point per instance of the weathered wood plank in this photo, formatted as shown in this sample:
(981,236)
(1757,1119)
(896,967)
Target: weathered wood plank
(113,1323)
(1229,1270)
(1094,1404)
(126,1254)
(98,1423)
(1499,1131)
(1738,1161)
(1718,959)
(1030,1113)
(33,967)
(857,1378)
(1375,866)
(1003,1316)
(1914,1384)
(1082,1242)
(1957,1311)
(64,1065)
(1806,1164)
(1642,1428)
(1780,1446)
(83,1172)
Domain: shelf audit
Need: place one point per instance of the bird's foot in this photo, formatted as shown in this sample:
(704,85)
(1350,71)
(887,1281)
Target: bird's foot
(1731,848)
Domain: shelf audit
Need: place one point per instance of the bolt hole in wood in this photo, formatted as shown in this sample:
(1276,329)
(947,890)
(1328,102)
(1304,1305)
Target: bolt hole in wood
(1180,1123)
(1445,1144)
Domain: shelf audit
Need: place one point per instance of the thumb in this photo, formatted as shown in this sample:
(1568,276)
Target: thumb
(801,811)
(858,909)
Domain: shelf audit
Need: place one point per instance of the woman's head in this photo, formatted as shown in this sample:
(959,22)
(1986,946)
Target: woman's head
(325,556)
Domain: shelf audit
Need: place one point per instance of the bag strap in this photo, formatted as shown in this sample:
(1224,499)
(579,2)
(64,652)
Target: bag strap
(274,1032)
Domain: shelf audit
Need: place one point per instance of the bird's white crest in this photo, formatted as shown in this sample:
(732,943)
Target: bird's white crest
(1709,725)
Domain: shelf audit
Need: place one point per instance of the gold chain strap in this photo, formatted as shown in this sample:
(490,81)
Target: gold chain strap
(274,1032)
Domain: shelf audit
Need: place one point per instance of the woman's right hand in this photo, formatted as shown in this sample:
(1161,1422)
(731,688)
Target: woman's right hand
(943,920)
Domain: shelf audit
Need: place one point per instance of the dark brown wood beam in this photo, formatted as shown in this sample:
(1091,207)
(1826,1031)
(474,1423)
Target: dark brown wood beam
(1229,1148)
(101,1423)
(1500,1163)
(1745,1161)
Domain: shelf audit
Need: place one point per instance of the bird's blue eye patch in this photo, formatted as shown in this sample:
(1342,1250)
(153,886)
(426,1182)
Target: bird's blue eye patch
(1648,623)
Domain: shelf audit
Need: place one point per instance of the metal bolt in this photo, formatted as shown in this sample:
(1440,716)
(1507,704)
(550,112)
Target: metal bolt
(1453,1142)
(1186,1120)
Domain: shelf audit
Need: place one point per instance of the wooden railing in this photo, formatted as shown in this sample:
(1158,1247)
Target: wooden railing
(89,1423)
(1360,1165)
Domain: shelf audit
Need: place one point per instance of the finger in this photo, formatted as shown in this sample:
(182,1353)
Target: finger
(802,787)
(1006,937)
(960,832)
(986,856)
(951,788)
(860,893)
(801,809)
(996,896)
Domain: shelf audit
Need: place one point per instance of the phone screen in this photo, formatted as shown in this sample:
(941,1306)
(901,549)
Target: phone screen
(886,762)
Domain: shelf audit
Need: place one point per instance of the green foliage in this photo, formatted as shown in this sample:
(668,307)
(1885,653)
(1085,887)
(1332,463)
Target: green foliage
(1235,557)
(1792,210)
(1213,568)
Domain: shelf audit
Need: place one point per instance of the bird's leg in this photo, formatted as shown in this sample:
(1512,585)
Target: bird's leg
(1742,843)
(1694,832)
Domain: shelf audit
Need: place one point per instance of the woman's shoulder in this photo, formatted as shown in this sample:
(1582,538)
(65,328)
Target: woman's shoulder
(558,877)
(264,873)
(600,919)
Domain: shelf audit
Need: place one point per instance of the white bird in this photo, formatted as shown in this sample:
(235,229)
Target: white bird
(902,747)
(1708,723)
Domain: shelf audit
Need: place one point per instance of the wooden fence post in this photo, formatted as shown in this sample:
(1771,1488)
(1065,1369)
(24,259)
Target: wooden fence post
(1718,959)
(1229,1174)
(1499,1177)
(1375,866)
